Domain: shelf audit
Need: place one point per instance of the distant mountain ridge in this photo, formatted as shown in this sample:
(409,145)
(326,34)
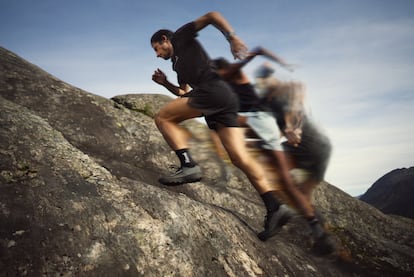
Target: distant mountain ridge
(393,193)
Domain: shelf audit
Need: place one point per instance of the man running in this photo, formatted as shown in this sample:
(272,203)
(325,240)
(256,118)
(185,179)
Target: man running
(210,97)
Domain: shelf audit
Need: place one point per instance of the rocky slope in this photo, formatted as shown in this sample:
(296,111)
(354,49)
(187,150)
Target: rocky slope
(79,197)
(393,193)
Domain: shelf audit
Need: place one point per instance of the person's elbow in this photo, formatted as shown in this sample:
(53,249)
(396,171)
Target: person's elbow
(207,19)
(213,15)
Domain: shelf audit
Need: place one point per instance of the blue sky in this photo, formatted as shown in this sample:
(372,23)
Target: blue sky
(356,58)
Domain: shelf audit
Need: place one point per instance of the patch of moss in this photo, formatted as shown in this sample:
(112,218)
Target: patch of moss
(147,110)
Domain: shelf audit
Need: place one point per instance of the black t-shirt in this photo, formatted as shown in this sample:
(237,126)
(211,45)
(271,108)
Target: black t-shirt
(248,99)
(190,60)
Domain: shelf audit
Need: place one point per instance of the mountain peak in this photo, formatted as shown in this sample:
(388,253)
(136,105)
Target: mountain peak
(393,193)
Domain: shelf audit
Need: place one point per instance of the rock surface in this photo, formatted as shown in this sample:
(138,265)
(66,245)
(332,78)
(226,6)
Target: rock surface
(79,197)
(393,193)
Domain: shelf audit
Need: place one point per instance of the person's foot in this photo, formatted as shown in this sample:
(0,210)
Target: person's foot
(182,175)
(274,220)
(324,245)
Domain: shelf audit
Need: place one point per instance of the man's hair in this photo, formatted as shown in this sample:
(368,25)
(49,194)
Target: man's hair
(264,71)
(157,36)
(220,63)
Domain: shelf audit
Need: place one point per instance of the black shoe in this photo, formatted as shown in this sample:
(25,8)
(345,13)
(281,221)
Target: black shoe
(274,220)
(182,175)
(324,245)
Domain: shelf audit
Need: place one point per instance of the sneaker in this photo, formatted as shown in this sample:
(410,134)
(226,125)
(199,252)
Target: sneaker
(324,245)
(182,175)
(274,220)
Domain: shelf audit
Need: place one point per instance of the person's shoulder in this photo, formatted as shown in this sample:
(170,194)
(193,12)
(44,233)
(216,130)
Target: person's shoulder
(186,28)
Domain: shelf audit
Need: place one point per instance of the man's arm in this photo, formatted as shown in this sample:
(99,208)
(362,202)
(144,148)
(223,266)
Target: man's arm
(273,57)
(160,78)
(235,67)
(293,130)
(294,113)
(238,48)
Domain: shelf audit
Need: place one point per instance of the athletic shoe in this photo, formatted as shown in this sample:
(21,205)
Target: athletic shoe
(274,220)
(182,175)
(324,245)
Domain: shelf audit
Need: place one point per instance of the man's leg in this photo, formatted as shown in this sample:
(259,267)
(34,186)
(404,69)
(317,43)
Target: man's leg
(233,141)
(277,214)
(168,118)
(324,243)
(300,199)
(222,154)
(167,121)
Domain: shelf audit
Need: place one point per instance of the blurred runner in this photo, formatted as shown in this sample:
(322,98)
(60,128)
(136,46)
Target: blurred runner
(308,147)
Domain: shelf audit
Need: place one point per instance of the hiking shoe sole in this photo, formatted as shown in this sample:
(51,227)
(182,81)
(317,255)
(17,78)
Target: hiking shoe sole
(182,176)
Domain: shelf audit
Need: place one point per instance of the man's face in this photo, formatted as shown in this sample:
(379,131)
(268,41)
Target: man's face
(163,49)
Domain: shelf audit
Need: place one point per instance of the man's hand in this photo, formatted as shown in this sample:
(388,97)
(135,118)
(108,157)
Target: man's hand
(272,56)
(238,48)
(294,136)
(159,77)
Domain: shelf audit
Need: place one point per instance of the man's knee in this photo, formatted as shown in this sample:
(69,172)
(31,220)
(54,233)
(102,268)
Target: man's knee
(161,118)
(158,119)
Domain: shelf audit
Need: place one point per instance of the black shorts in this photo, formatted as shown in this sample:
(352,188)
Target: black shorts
(217,102)
(313,152)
